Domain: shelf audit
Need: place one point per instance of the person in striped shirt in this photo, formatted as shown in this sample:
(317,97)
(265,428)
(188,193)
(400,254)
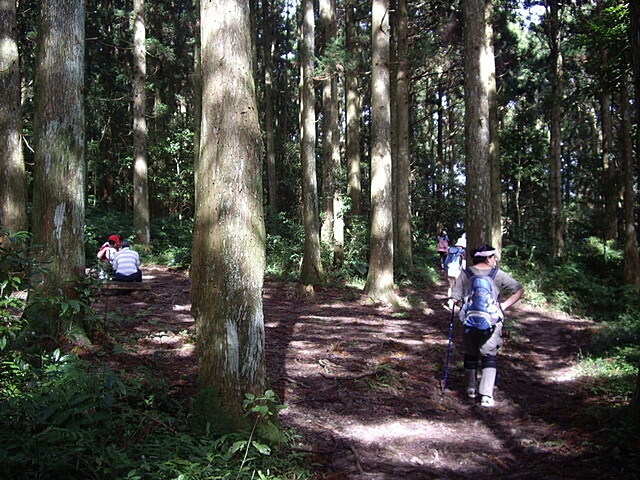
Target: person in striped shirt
(126,264)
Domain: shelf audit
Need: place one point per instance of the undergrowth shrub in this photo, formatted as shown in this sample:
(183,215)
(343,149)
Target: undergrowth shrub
(69,419)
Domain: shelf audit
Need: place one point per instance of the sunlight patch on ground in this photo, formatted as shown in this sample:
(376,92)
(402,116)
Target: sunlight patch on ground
(428,432)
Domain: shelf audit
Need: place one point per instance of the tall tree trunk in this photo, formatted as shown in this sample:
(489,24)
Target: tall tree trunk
(402,162)
(609,180)
(229,239)
(329,140)
(311,272)
(631,260)
(197,92)
(477,135)
(59,162)
(634,33)
(494,133)
(555,157)
(141,222)
(379,285)
(354,187)
(13,182)
(268,49)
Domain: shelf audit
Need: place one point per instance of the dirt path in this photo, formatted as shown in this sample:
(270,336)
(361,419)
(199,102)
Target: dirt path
(363,384)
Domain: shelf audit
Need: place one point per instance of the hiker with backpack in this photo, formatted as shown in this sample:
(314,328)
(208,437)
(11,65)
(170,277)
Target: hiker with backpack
(478,288)
(442,246)
(454,263)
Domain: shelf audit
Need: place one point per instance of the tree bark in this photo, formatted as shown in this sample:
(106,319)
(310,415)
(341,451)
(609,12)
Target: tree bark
(59,163)
(13,183)
(311,272)
(609,180)
(229,239)
(402,162)
(141,222)
(555,158)
(477,134)
(631,260)
(354,187)
(379,285)
(329,139)
(272,177)
(494,132)
(634,33)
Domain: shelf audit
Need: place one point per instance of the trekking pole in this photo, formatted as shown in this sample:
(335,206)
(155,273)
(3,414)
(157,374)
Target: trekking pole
(446,365)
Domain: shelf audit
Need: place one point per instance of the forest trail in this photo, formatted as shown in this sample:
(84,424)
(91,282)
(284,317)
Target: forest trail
(363,384)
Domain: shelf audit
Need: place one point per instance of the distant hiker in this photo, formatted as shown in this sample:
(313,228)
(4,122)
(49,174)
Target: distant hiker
(109,248)
(126,264)
(482,317)
(454,263)
(443,245)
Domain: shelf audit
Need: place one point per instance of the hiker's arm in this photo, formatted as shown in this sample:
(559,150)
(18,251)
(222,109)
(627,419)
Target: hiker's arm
(512,299)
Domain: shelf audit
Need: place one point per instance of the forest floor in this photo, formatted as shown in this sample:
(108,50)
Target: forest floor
(363,383)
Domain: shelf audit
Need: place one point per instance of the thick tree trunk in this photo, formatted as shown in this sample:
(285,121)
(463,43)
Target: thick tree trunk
(354,187)
(379,285)
(59,162)
(477,134)
(229,238)
(402,163)
(311,272)
(141,222)
(13,183)
(494,133)
(634,32)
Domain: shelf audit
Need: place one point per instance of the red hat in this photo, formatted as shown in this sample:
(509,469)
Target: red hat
(115,238)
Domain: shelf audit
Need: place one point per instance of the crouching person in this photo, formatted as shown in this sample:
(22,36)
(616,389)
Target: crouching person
(126,264)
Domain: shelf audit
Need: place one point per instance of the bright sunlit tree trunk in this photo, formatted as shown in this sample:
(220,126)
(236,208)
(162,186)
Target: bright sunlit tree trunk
(228,252)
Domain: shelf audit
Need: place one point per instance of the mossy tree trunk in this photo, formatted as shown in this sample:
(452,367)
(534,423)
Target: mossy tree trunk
(229,236)
(379,285)
(311,271)
(141,217)
(59,164)
(477,132)
(13,184)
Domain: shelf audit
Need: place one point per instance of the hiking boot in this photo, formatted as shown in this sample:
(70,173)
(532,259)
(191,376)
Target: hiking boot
(487,401)
(471,392)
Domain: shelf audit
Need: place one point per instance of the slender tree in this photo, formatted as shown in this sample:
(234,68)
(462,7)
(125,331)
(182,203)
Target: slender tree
(229,237)
(311,272)
(555,154)
(631,259)
(379,285)
(329,139)
(353,101)
(13,184)
(477,132)
(59,164)
(141,222)
(269,125)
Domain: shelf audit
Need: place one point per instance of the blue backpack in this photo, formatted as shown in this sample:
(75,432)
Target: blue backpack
(481,307)
(453,259)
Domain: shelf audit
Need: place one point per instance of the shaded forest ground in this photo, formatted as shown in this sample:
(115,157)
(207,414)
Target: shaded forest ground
(362,384)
